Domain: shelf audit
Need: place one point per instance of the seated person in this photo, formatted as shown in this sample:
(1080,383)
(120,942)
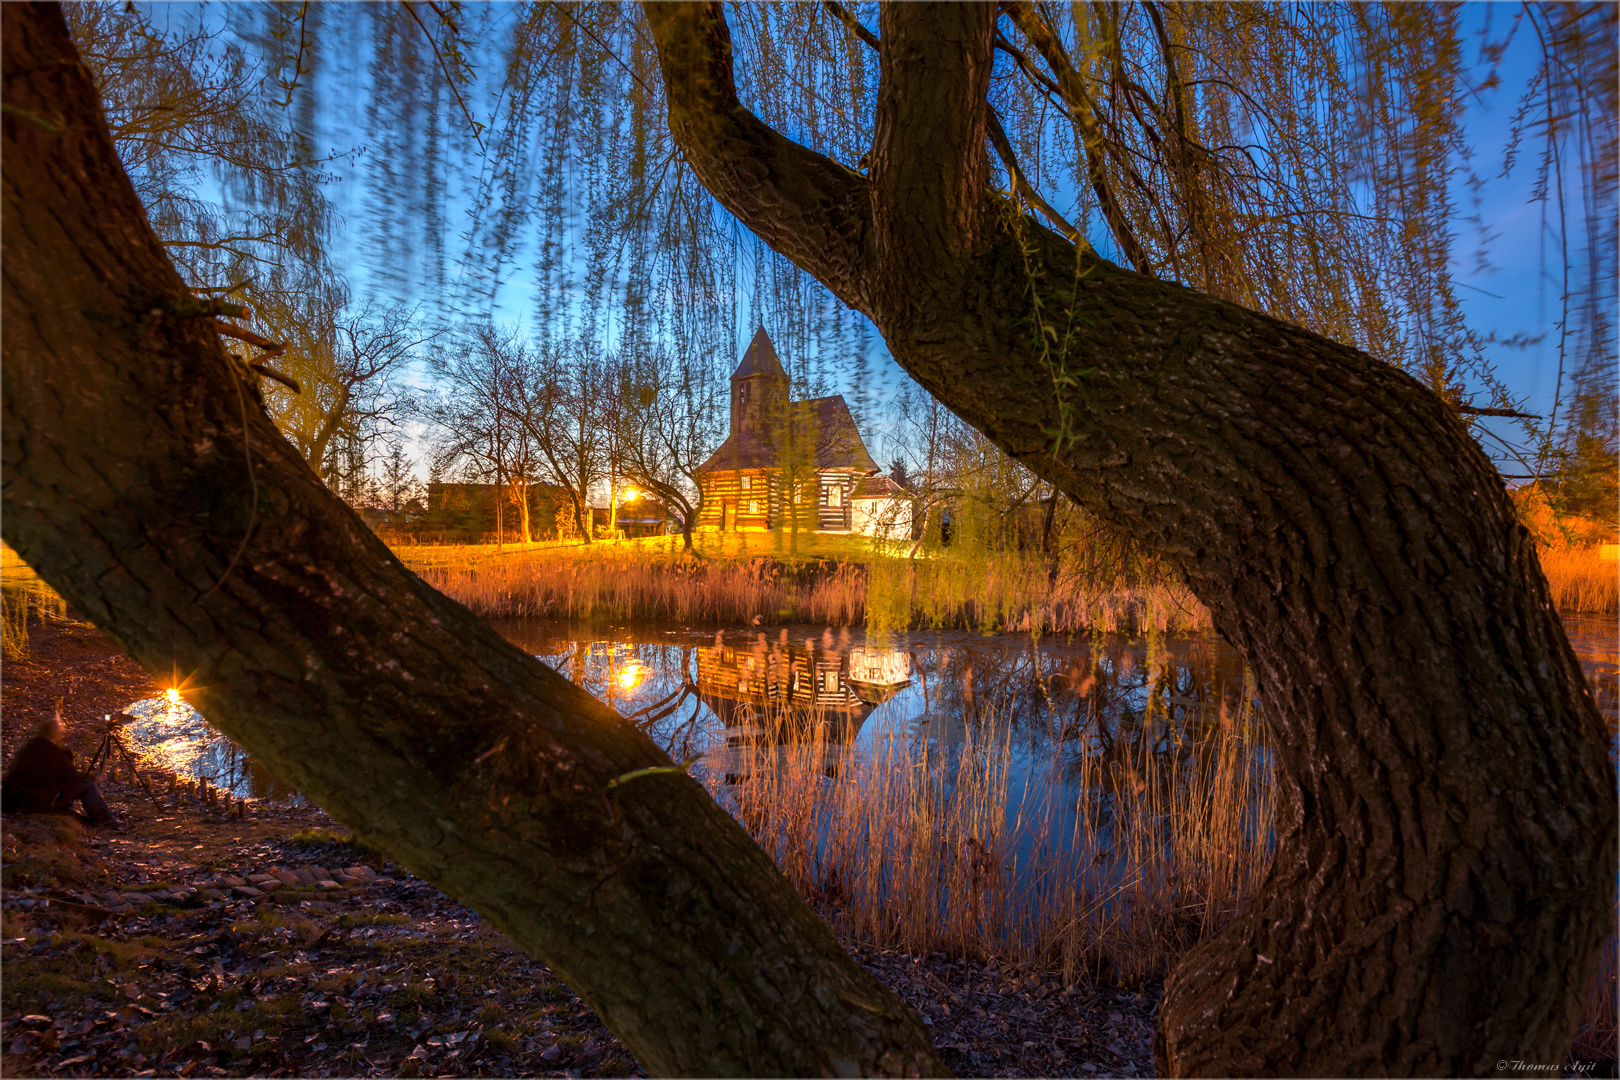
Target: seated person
(42,779)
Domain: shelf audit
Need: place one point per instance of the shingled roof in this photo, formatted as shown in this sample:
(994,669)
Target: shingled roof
(826,420)
(879,487)
(760,358)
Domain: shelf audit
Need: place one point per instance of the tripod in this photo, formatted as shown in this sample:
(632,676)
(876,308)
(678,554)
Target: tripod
(113,745)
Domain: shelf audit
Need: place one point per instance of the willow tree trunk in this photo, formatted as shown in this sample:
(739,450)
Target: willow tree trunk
(1445,841)
(145,483)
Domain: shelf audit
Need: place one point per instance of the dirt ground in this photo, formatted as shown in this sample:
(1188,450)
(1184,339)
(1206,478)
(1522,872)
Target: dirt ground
(194,942)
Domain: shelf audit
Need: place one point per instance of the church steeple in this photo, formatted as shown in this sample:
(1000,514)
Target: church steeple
(758,386)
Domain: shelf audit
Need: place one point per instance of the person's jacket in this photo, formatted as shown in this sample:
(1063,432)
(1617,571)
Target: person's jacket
(41,777)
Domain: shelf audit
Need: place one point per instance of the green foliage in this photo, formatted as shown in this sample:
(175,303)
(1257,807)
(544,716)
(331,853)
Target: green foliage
(189,114)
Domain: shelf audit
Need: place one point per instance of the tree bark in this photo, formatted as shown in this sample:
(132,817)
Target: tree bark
(145,483)
(1445,843)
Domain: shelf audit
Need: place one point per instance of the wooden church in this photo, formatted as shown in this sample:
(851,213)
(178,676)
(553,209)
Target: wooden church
(785,463)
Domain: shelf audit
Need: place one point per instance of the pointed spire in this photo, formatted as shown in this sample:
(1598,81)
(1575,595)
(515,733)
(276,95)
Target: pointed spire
(760,358)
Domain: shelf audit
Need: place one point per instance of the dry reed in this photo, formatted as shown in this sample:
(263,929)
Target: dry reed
(1597,1037)
(916,847)
(630,587)
(1580,578)
(1003,592)
(22,593)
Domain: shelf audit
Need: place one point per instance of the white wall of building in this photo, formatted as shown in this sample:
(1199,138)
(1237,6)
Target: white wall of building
(888,518)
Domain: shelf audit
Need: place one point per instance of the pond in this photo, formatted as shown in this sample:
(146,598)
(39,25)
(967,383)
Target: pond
(1098,803)
(917,685)
(705,693)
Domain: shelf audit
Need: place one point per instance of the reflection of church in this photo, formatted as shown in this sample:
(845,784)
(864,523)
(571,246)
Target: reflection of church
(783,688)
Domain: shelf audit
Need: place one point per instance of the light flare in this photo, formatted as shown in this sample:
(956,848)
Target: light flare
(171,696)
(631,676)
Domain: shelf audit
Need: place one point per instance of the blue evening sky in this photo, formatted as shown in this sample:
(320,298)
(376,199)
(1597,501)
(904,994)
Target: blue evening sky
(1516,295)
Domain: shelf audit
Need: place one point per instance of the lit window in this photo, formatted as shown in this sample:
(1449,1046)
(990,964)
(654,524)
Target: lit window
(747,482)
(753,506)
(835,496)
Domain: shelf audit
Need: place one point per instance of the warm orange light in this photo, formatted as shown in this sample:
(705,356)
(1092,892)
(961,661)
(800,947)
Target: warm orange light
(630,495)
(172,696)
(630,676)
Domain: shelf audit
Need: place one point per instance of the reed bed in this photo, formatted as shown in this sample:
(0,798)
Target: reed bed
(1022,593)
(1580,577)
(990,593)
(1597,1037)
(915,847)
(22,595)
(638,588)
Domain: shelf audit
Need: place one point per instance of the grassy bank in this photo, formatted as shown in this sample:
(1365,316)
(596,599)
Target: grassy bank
(22,596)
(1581,579)
(831,580)
(845,581)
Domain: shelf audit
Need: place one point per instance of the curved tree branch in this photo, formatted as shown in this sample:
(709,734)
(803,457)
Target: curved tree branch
(126,464)
(1445,853)
(812,209)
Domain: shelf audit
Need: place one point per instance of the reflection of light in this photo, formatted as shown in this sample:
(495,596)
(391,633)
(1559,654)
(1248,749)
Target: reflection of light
(172,696)
(630,676)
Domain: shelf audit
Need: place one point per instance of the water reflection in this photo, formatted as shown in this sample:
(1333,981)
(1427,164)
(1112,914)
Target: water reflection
(1099,779)
(1596,641)
(170,734)
(1107,699)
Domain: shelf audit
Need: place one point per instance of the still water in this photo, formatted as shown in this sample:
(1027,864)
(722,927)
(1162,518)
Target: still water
(712,696)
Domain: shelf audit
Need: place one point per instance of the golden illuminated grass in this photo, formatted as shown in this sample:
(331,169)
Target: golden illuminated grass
(21,593)
(1572,552)
(832,580)
(624,584)
(1580,577)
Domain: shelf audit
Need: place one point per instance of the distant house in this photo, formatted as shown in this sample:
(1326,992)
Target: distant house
(881,507)
(638,517)
(784,463)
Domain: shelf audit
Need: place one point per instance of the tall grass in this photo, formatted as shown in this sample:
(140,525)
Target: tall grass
(916,847)
(1572,549)
(1016,592)
(634,583)
(1580,578)
(22,594)
(633,587)
(1597,1038)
